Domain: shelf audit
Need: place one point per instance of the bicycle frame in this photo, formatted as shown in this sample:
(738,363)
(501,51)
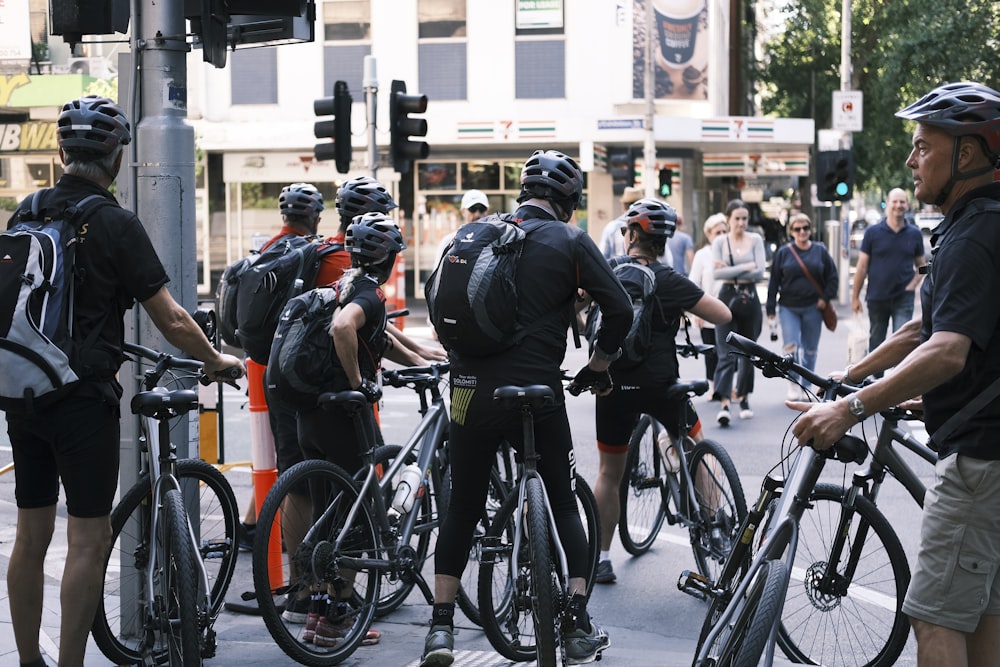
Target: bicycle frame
(885,458)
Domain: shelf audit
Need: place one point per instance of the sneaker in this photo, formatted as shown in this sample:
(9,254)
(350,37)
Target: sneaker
(605,573)
(745,411)
(328,632)
(297,609)
(723,417)
(439,647)
(246,534)
(312,621)
(583,647)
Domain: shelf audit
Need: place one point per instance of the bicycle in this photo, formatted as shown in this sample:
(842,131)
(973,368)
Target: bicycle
(744,617)
(699,488)
(166,579)
(523,575)
(350,541)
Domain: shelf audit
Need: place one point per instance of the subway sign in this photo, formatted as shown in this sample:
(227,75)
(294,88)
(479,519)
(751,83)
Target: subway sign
(30,137)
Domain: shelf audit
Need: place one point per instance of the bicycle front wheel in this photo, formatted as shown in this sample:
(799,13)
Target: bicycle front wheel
(296,560)
(721,506)
(742,642)
(643,490)
(175,585)
(833,617)
(118,627)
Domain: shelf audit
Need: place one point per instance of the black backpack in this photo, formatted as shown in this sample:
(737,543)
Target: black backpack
(40,356)
(471,295)
(303,362)
(639,282)
(260,286)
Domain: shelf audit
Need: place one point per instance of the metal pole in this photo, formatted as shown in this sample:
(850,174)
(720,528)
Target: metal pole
(371,102)
(846,141)
(649,149)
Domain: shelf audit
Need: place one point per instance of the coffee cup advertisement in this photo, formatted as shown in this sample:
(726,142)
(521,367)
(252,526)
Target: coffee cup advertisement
(680,48)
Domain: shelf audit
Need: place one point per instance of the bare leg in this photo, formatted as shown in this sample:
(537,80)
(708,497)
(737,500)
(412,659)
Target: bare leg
(609,477)
(984,643)
(25,577)
(445,588)
(83,580)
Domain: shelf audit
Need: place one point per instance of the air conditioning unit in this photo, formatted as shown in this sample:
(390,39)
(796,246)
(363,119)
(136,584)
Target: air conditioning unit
(91,66)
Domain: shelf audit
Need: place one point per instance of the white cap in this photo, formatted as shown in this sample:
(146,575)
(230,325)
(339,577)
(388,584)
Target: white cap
(473,197)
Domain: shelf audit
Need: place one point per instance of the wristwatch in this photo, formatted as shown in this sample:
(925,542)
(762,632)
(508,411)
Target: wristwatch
(856,407)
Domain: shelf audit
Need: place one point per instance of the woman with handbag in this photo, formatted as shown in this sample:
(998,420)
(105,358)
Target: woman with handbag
(702,274)
(802,288)
(739,263)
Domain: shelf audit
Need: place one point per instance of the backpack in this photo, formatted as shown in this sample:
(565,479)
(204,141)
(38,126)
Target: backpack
(40,357)
(263,284)
(471,295)
(303,362)
(639,282)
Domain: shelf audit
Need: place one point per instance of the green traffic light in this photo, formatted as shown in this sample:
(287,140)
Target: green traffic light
(841,189)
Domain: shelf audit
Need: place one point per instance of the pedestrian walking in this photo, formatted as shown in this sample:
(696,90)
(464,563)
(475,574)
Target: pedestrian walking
(703,275)
(803,282)
(739,261)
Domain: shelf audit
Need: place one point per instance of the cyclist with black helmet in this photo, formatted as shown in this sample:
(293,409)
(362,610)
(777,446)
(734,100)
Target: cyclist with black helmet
(556,260)
(640,388)
(75,440)
(951,357)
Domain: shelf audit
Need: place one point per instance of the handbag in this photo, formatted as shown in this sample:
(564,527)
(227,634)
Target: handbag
(829,312)
(744,304)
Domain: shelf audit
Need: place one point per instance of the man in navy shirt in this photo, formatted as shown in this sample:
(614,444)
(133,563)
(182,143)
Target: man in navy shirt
(889,252)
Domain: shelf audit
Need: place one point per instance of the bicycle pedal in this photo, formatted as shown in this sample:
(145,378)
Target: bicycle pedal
(694,584)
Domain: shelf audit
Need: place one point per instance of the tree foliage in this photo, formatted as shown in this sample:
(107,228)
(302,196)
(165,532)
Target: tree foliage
(900,50)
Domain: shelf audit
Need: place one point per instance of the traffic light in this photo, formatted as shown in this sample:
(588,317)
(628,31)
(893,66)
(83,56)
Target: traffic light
(834,175)
(72,19)
(339,128)
(402,127)
(666,182)
(622,167)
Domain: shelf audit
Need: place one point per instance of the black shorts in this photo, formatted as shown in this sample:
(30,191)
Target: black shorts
(76,440)
(616,414)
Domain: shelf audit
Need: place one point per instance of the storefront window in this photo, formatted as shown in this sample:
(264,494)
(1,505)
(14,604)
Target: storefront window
(480,176)
(437,176)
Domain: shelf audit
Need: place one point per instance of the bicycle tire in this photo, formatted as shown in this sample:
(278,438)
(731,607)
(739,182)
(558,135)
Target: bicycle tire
(216,529)
(545,580)
(394,588)
(863,625)
(742,644)
(722,506)
(504,596)
(313,564)
(590,515)
(642,493)
(177,585)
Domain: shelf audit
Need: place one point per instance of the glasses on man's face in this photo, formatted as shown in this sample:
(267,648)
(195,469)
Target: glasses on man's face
(796,230)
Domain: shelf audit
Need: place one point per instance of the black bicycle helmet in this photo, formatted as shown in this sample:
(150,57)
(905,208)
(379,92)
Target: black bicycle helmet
(553,176)
(372,238)
(92,124)
(654,217)
(301,199)
(363,195)
(961,109)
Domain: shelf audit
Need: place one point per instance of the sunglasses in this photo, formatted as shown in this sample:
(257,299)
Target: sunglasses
(795,230)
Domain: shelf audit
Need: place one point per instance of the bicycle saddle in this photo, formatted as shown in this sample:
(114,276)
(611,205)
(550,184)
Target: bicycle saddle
(349,400)
(161,403)
(535,395)
(682,390)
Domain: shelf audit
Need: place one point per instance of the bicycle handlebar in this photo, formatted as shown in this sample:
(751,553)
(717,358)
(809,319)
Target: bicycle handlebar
(403,376)
(694,349)
(772,364)
(166,362)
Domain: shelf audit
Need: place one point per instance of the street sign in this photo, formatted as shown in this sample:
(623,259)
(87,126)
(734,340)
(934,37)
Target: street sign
(847,110)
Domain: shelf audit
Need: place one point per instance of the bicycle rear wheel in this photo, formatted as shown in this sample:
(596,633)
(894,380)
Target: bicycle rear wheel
(303,516)
(742,642)
(721,506)
(546,588)
(643,490)
(118,627)
(175,585)
(852,621)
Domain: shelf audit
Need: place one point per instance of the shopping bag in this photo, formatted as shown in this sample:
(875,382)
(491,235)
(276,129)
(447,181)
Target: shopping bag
(857,338)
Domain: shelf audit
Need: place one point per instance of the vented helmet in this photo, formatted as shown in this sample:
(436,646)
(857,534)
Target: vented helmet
(92,124)
(551,175)
(961,109)
(654,217)
(373,238)
(363,195)
(301,199)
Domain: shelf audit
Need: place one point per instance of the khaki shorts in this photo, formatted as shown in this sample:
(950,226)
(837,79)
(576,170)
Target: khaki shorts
(955,580)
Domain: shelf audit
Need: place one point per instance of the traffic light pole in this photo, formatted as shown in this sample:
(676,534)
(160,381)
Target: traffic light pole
(847,142)
(371,106)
